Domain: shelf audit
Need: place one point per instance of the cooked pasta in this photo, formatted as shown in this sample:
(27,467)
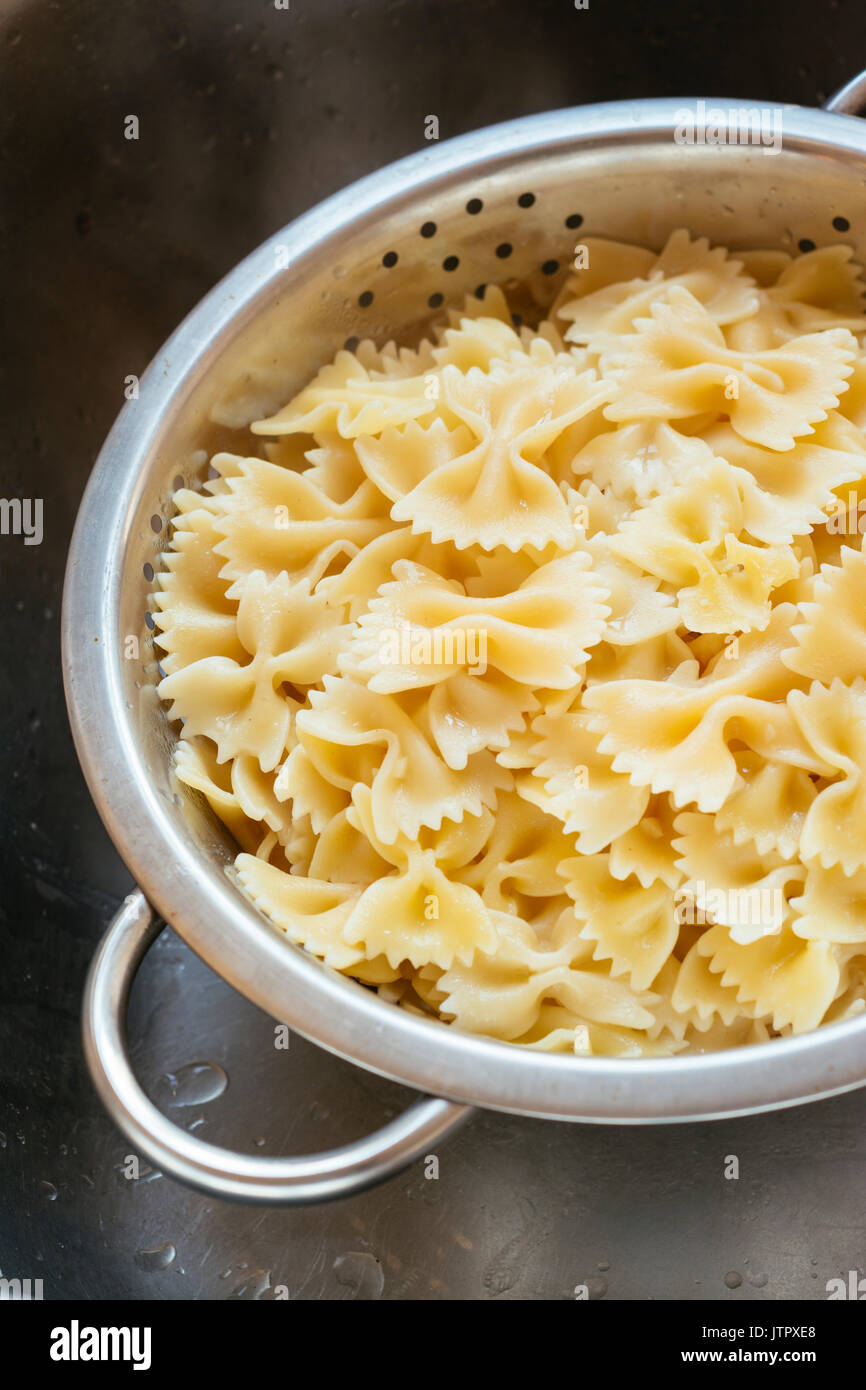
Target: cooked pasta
(527,667)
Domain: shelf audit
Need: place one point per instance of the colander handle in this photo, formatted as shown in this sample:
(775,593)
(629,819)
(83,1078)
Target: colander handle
(850,100)
(275,1181)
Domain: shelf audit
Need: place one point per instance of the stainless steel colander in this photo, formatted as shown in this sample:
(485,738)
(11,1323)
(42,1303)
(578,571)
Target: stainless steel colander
(506,204)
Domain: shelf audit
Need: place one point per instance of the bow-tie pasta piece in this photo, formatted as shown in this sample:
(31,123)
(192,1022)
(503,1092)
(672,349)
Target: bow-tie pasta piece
(639,609)
(695,1013)
(595,511)
(641,461)
(850,1002)
(298,780)
(715,279)
(504,993)
(348,398)
(633,927)
(291,636)
(600,262)
(732,883)
(333,466)
(668,1024)
(423,629)
(689,538)
(793,980)
(344,854)
(465,715)
(476,342)
(764,266)
(845,525)
(196,766)
(768,806)
(574,782)
(656,659)
(793,490)
(193,616)
(258,797)
(392,360)
(832,907)
(353,734)
(356,585)
(833,723)
(310,913)
(421,916)
(518,754)
(673,735)
(313,915)
(678,365)
(647,851)
(699,994)
(495,492)
(275,520)
(557,1029)
(518,867)
(822,289)
(853,403)
(294,854)
(453,844)
(831,641)
(398,460)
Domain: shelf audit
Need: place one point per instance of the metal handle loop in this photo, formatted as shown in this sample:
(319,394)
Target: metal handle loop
(218,1171)
(850,100)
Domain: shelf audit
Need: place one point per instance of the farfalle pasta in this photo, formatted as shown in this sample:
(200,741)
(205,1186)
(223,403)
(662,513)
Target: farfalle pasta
(526,666)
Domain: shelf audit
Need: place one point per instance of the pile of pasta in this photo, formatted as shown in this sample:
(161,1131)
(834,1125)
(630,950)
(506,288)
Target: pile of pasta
(644,513)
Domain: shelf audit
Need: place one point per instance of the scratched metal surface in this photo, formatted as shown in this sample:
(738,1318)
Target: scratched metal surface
(249,115)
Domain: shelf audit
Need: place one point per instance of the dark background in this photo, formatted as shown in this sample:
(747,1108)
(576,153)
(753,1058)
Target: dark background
(248,115)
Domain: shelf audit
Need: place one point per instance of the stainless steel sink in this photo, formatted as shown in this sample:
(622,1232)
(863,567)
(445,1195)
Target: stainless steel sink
(247,115)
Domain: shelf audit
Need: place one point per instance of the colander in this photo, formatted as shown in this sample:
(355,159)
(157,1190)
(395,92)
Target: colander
(380,259)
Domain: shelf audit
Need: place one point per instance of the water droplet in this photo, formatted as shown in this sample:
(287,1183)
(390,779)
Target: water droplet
(257,1282)
(49,1191)
(733,1279)
(195,1084)
(596,1286)
(500,1279)
(604,1265)
(156,1257)
(361,1273)
(2,1140)
(758,1281)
